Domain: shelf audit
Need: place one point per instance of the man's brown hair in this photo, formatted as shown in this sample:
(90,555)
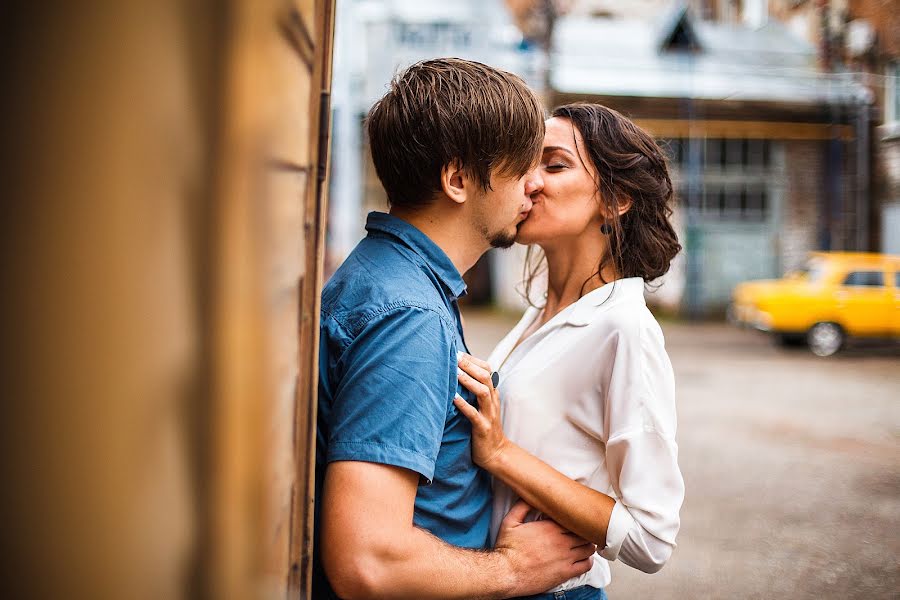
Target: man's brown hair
(445,110)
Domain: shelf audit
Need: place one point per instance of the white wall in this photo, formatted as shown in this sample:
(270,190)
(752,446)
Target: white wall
(890,229)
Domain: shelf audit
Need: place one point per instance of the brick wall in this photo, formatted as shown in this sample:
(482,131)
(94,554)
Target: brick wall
(885,18)
(803,196)
(889,168)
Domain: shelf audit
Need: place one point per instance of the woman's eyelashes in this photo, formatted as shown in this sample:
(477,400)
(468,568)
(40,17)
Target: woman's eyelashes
(555,161)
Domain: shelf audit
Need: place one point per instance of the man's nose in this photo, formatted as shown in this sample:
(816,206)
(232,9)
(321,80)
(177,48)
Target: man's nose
(533,181)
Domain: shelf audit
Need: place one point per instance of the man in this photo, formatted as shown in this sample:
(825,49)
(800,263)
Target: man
(401,510)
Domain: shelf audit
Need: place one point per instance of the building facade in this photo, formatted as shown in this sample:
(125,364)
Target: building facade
(863,37)
(769,152)
(782,118)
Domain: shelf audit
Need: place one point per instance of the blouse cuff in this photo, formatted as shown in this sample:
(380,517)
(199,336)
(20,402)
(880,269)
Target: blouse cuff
(620,523)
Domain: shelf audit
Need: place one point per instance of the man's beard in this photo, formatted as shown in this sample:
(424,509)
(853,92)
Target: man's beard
(502,239)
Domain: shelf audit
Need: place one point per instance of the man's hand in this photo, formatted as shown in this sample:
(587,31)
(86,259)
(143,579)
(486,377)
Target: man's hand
(541,554)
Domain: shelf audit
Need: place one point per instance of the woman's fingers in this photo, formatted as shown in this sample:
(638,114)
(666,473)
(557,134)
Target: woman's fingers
(481,391)
(477,368)
(475,360)
(469,412)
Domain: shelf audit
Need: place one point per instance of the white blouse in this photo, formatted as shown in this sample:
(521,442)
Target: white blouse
(592,394)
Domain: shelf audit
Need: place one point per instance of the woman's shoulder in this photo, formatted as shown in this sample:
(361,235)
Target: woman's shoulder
(629,322)
(624,312)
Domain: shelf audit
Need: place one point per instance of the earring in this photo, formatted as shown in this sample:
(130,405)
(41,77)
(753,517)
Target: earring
(606,228)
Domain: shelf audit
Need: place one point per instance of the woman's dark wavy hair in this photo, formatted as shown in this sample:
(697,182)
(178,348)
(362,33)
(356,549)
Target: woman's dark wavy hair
(630,166)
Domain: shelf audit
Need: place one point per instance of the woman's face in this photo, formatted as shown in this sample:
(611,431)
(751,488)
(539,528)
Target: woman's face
(568,205)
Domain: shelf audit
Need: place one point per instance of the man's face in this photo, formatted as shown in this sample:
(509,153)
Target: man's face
(501,209)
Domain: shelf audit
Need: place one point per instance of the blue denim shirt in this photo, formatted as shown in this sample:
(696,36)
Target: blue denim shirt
(390,330)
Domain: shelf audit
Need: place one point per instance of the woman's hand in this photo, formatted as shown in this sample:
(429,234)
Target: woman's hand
(576,507)
(488,441)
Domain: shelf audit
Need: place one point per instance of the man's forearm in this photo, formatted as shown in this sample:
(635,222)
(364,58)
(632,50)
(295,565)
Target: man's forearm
(371,549)
(422,566)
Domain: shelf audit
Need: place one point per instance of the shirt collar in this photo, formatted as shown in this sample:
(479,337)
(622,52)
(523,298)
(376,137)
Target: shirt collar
(436,259)
(630,289)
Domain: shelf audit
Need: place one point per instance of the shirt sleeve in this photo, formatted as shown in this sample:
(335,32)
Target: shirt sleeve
(641,453)
(395,388)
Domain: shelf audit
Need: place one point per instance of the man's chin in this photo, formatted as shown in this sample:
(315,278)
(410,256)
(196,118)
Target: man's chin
(503,240)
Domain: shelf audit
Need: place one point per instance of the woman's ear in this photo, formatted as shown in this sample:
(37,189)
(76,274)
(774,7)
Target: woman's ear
(453,182)
(624,205)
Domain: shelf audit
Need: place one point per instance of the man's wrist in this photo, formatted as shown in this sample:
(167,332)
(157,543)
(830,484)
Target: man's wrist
(507,573)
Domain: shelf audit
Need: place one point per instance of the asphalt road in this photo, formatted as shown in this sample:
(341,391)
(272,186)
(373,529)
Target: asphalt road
(791,465)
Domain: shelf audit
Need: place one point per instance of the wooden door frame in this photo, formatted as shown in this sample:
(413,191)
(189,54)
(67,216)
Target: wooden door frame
(302,511)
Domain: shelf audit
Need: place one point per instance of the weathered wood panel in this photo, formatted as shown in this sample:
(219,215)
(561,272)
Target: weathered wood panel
(167,173)
(273,219)
(315,228)
(104,176)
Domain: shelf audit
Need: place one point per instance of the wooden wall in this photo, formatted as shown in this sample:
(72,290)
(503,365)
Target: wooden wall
(271,181)
(164,166)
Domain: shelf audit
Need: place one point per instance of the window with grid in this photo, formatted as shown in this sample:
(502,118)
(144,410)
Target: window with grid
(723,179)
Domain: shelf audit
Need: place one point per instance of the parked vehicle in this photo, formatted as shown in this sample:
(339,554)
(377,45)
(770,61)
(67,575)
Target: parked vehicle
(838,295)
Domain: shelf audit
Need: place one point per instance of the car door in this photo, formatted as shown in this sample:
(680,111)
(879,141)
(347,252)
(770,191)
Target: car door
(864,303)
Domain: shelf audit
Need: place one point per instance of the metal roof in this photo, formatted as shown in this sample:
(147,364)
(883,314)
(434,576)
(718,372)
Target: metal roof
(621,57)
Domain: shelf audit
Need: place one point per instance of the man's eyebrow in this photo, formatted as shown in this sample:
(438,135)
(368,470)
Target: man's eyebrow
(554,148)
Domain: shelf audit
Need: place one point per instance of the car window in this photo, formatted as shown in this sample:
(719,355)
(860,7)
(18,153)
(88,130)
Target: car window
(865,278)
(897,279)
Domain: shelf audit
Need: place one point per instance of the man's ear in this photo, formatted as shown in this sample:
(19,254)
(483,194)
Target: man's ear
(454,182)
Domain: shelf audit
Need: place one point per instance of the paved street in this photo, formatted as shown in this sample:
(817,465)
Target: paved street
(792,468)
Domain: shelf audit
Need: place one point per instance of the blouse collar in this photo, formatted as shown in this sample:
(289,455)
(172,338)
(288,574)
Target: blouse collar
(630,289)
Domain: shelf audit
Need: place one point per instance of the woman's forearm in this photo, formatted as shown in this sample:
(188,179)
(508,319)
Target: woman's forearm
(576,507)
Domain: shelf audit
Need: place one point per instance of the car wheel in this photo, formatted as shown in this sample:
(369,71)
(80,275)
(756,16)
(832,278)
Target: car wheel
(825,339)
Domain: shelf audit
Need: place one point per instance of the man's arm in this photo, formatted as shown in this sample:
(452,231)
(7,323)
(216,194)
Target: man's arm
(371,549)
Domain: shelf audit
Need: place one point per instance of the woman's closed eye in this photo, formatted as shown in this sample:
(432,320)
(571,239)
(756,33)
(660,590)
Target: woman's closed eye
(556,167)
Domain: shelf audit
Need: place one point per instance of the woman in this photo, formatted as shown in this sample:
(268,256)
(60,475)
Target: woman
(588,409)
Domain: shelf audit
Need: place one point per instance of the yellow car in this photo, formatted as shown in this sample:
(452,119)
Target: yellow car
(838,295)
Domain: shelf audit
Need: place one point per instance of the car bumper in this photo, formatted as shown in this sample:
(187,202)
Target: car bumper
(749,316)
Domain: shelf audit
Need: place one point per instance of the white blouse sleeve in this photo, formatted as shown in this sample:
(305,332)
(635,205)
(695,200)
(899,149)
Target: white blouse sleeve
(638,391)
